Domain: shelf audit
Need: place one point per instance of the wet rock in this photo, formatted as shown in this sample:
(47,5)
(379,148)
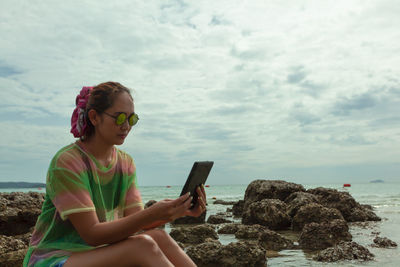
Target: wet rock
(250,231)
(238,254)
(267,212)
(217,219)
(20,212)
(269,189)
(223,202)
(351,210)
(204,254)
(230,228)
(298,199)
(237,208)
(384,242)
(271,240)
(194,235)
(191,220)
(345,251)
(314,213)
(317,236)
(225,214)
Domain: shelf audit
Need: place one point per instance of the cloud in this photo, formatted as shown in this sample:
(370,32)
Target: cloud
(259,86)
(346,105)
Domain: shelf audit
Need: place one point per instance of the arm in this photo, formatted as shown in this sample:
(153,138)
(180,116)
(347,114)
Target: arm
(97,233)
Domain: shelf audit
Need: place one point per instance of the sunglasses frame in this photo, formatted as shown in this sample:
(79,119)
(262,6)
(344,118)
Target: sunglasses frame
(127,118)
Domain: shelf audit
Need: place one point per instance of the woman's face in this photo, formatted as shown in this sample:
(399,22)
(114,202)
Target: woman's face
(107,129)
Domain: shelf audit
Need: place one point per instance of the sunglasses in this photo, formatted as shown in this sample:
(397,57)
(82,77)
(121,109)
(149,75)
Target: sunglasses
(121,117)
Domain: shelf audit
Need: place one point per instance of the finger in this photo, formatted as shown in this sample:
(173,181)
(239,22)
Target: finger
(201,193)
(181,199)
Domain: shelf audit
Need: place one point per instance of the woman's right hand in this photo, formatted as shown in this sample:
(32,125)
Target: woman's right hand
(171,209)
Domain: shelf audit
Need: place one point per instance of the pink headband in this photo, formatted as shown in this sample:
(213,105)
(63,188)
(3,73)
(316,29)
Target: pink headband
(78,120)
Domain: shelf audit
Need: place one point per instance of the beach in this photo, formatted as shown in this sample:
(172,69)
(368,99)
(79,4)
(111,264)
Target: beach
(383,197)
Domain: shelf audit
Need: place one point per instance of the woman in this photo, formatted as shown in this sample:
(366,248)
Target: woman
(92,214)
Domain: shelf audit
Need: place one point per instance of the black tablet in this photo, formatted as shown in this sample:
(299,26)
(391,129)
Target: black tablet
(197,176)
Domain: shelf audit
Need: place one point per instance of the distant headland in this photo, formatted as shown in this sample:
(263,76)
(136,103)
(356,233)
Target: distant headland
(21,185)
(377,181)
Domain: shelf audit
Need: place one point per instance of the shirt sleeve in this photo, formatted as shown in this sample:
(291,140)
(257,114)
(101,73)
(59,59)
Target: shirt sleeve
(133,197)
(69,191)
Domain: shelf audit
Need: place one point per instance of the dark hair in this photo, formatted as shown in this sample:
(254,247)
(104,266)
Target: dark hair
(102,97)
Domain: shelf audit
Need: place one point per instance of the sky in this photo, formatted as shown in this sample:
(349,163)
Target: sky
(302,91)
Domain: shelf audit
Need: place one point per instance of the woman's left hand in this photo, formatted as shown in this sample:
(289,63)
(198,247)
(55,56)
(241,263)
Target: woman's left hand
(201,203)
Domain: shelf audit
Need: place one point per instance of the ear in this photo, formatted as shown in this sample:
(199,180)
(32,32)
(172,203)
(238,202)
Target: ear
(93,117)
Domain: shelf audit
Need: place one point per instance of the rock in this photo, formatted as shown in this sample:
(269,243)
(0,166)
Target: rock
(13,259)
(237,208)
(204,254)
(217,219)
(20,213)
(9,244)
(269,189)
(298,199)
(150,203)
(238,254)
(384,242)
(194,235)
(267,212)
(317,236)
(191,220)
(314,213)
(250,231)
(12,251)
(223,202)
(271,240)
(351,210)
(230,228)
(344,251)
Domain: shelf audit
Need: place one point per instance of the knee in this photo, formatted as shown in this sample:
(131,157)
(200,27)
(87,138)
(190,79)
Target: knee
(158,234)
(146,243)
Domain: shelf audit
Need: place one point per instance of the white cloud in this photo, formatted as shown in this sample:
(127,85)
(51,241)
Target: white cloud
(259,86)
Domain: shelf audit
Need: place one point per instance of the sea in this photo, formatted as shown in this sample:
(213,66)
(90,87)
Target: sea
(383,197)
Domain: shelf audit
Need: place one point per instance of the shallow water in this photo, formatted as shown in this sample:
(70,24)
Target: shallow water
(384,197)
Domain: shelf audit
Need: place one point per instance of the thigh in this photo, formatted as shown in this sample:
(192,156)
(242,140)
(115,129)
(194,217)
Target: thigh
(135,250)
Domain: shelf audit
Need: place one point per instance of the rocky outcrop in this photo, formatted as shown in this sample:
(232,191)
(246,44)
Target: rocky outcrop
(230,228)
(217,219)
(345,251)
(269,189)
(19,212)
(298,199)
(314,213)
(194,235)
(384,242)
(18,215)
(191,220)
(318,236)
(238,254)
(250,231)
(237,208)
(351,210)
(224,202)
(271,240)
(267,212)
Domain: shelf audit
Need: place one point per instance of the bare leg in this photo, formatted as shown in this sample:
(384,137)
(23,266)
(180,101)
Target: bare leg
(170,248)
(139,250)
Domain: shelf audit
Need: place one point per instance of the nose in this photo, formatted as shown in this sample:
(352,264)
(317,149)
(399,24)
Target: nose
(125,125)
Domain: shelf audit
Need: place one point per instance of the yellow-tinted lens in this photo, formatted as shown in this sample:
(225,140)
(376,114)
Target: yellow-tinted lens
(121,118)
(133,119)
